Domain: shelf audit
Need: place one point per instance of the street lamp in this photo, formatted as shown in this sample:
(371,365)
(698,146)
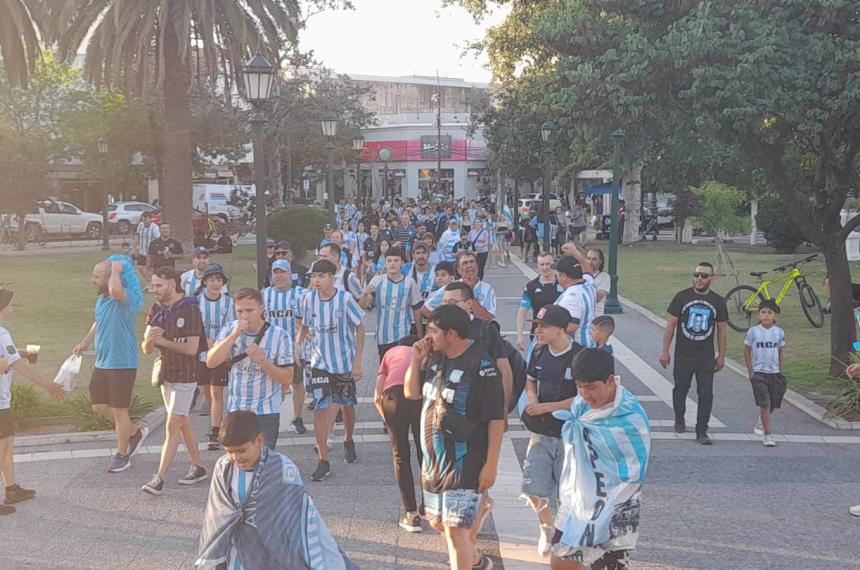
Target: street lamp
(259,78)
(545,135)
(612,306)
(358,147)
(103,150)
(385,155)
(328,120)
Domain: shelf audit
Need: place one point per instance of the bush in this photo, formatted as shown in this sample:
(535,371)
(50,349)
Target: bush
(847,401)
(26,401)
(775,222)
(83,418)
(302,226)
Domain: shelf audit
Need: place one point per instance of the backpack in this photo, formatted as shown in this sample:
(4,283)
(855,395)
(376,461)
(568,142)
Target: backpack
(487,340)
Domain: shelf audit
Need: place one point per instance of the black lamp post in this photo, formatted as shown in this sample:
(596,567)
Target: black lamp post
(259,78)
(103,150)
(612,306)
(545,135)
(328,120)
(358,147)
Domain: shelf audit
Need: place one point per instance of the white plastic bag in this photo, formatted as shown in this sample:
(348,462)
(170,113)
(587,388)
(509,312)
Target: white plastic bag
(68,374)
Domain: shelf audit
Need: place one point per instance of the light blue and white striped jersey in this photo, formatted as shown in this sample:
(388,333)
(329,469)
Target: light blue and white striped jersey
(426,281)
(190,283)
(10,353)
(216,314)
(281,307)
(353,281)
(483,292)
(332,325)
(147,235)
(395,301)
(249,387)
(580,300)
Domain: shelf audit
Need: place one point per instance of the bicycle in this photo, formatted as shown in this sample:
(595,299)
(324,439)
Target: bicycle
(743,301)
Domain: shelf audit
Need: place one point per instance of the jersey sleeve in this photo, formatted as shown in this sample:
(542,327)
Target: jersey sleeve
(8,348)
(194,326)
(722,311)
(574,306)
(750,338)
(150,314)
(675,306)
(354,312)
(435,299)
(526,300)
(224,333)
(489,300)
(231,310)
(781,338)
(415,299)
(283,349)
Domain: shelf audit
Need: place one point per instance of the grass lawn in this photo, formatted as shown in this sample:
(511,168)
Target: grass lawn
(651,273)
(54,303)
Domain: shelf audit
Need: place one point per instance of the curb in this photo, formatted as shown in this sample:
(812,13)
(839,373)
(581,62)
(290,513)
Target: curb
(152,420)
(798,400)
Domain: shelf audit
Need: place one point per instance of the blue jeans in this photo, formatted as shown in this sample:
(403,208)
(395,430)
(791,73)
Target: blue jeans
(270,425)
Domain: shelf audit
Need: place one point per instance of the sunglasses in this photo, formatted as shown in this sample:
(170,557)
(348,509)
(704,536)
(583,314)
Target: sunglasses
(282,253)
(701,275)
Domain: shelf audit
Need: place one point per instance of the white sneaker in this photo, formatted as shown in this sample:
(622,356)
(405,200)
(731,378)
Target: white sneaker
(759,427)
(768,440)
(855,510)
(544,547)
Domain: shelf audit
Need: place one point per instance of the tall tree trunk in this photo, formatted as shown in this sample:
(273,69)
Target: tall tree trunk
(842,329)
(175,193)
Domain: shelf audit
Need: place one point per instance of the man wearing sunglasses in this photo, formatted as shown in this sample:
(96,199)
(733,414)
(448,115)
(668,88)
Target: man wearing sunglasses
(697,314)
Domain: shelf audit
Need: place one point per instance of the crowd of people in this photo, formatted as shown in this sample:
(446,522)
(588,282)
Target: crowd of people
(446,376)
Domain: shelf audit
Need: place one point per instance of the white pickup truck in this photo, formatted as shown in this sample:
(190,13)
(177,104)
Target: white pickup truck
(62,218)
(532,201)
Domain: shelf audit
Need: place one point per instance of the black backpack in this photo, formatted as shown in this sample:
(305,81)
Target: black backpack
(486,339)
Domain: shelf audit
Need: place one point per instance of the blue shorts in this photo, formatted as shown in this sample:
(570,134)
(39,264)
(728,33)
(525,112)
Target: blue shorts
(542,467)
(457,508)
(328,389)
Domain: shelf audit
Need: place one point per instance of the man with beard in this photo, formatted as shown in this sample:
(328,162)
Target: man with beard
(165,250)
(192,280)
(485,295)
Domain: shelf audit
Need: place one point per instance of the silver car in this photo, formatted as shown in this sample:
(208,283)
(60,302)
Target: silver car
(124,216)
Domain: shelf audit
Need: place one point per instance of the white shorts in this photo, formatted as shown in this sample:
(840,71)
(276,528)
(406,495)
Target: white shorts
(177,397)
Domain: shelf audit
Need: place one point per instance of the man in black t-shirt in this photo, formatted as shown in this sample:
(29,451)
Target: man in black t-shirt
(541,291)
(697,315)
(165,250)
(461,433)
(174,326)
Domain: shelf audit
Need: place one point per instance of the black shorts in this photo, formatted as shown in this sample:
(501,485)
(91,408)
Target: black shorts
(768,389)
(112,387)
(7,423)
(212,376)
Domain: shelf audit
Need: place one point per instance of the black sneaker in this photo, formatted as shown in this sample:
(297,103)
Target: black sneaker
(212,443)
(703,439)
(299,424)
(322,471)
(195,475)
(6,510)
(16,494)
(680,426)
(349,452)
(135,440)
(155,486)
(120,463)
(410,523)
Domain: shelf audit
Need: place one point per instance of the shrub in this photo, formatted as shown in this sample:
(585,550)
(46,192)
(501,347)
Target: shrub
(847,401)
(775,222)
(300,225)
(26,401)
(83,418)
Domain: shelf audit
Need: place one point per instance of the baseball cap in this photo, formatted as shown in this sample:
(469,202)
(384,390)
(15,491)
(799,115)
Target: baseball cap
(283,244)
(327,227)
(214,269)
(569,266)
(200,251)
(5,298)
(270,243)
(554,315)
(281,264)
(452,222)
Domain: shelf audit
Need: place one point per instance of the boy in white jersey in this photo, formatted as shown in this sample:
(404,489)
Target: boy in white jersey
(763,349)
(281,302)
(397,300)
(216,308)
(331,318)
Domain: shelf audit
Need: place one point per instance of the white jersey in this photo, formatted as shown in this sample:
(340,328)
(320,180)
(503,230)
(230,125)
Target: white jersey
(395,302)
(216,314)
(191,283)
(580,301)
(281,307)
(425,280)
(10,353)
(332,325)
(765,345)
(602,283)
(483,292)
(146,235)
(355,288)
(249,387)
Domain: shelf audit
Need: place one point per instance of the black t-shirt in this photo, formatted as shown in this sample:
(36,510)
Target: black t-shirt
(160,247)
(472,387)
(698,316)
(300,273)
(179,321)
(553,373)
(538,295)
(486,333)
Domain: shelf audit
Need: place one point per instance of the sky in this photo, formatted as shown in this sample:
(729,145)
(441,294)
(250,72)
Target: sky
(398,37)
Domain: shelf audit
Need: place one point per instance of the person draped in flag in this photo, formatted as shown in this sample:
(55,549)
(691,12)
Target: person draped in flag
(331,319)
(281,302)
(397,300)
(217,311)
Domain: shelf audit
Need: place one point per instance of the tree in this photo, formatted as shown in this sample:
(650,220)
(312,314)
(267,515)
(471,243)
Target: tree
(19,40)
(719,206)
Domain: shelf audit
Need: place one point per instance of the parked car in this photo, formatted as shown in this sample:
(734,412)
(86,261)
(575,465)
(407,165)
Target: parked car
(213,223)
(531,202)
(63,218)
(124,216)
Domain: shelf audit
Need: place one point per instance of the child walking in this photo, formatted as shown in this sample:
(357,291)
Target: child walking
(763,350)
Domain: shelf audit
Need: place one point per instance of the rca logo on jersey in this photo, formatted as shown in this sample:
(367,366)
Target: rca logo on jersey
(280,314)
(11,349)
(766,344)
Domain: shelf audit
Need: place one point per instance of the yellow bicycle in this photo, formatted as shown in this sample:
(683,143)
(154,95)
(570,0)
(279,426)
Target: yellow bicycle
(743,300)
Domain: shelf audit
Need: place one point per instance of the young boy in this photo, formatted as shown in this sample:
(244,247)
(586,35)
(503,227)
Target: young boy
(259,514)
(602,328)
(463,245)
(13,359)
(763,349)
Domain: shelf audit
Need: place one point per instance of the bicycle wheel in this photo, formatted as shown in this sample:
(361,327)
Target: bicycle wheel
(742,304)
(811,305)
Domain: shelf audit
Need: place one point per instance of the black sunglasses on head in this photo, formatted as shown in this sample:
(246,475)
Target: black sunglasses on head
(701,275)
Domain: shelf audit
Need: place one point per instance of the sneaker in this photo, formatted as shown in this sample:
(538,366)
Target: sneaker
(120,463)
(680,426)
(135,440)
(349,452)
(6,510)
(299,424)
(544,547)
(155,486)
(484,564)
(759,428)
(16,494)
(195,475)
(422,512)
(768,440)
(855,510)
(322,471)
(703,439)
(212,442)
(411,523)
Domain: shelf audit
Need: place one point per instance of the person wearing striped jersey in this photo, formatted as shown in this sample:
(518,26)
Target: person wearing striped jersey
(216,308)
(331,319)
(420,270)
(147,232)
(344,278)
(192,280)
(467,267)
(397,300)
(579,298)
(327,231)
(281,301)
(260,356)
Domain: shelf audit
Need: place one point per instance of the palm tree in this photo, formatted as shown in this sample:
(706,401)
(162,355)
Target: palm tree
(19,42)
(154,48)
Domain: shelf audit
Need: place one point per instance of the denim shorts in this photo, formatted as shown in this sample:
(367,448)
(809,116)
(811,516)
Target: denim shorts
(456,508)
(542,467)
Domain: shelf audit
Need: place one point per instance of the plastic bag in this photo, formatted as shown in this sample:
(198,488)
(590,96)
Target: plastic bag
(68,374)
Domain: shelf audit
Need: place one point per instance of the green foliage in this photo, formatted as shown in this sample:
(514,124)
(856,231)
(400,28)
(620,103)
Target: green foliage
(26,402)
(720,205)
(300,225)
(775,222)
(847,401)
(83,418)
